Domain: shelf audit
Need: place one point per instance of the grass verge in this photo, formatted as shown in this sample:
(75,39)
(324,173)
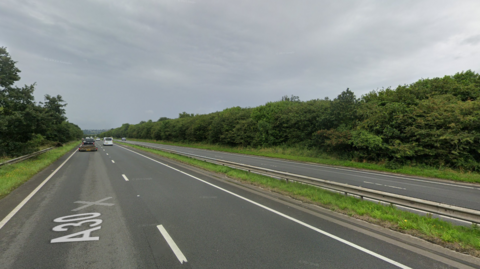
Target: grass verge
(314,156)
(459,238)
(14,175)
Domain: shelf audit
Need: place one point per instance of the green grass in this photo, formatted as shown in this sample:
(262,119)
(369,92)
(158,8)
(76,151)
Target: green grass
(14,175)
(465,239)
(314,156)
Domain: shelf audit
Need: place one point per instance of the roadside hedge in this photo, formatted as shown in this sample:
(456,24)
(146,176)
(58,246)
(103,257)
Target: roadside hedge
(433,122)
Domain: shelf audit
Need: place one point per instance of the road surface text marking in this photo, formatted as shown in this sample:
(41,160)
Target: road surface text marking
(88,204)
(172,244)
(284,215)
(77,220)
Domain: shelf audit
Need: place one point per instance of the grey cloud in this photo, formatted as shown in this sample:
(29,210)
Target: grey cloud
(125,58)
(472,40)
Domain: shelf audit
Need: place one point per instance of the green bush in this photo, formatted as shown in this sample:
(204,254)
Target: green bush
(434,122)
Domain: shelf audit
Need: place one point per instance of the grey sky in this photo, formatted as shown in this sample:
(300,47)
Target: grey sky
(123,61)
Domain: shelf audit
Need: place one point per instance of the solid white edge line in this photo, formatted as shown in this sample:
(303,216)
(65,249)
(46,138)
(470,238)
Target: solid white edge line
(172,244)
(21,204)
(125,177)
(285,216)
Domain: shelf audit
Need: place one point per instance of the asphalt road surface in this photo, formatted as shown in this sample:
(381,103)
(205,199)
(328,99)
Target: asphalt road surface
(123,208)
(458,194)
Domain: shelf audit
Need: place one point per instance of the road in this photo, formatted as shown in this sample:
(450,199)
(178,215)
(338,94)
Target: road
(458,194)
(124,208)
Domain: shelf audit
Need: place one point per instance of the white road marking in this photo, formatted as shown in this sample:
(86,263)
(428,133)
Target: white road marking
(125,177)
(107,153)
(19,206)
(395,187)
(87,204)
(113,161)
(103,150)
(172,244)
(285,216)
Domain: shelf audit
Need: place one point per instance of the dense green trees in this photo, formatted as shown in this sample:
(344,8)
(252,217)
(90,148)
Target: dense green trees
(432,121)
(24,124)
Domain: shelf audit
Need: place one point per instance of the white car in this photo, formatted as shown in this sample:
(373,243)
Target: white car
(108,141)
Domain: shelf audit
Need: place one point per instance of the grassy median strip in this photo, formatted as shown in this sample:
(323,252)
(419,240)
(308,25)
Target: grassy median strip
(459,238)
(14,175)
(314,156)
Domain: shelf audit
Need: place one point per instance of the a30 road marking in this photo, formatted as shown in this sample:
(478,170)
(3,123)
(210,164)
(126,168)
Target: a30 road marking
(125,177)
(113,161)
(19,206)
(284,215)
(77,221)
(172,244)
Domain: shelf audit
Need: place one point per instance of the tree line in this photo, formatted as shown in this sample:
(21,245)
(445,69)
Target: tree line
(24,124)
(433,122)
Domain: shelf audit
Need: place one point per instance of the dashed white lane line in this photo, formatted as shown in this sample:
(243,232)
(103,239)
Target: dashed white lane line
(103,150)
(125,177)
(113,161)
(172,244)
(107,153)
(395,187)
(348,243)
(19,206)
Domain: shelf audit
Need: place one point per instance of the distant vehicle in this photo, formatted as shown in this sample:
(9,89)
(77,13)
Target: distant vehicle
(98,139)
(88,144)
(124,139)
(108,141)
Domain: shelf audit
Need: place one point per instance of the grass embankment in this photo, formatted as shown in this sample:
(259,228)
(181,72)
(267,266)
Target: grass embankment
(463,239)
(314,156)
(14,175)
(7,158)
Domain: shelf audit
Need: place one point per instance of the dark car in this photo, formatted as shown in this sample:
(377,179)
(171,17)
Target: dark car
(88,144)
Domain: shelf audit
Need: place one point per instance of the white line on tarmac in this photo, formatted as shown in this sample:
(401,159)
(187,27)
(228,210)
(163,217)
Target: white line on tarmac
(113,161)
(125,177)
(107,153)
(19,206)
(285,216)
(172,244)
